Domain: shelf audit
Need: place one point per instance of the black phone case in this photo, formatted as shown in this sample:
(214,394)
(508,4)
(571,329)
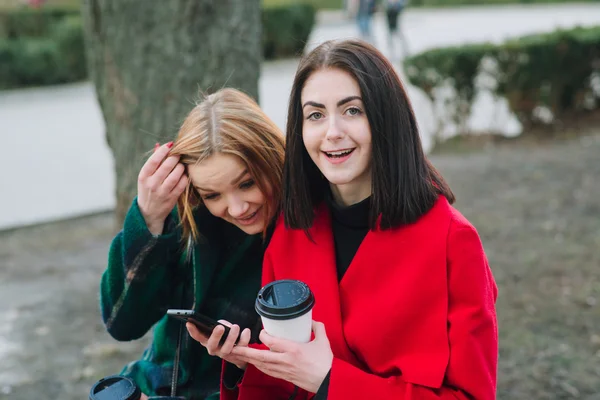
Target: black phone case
(202,322)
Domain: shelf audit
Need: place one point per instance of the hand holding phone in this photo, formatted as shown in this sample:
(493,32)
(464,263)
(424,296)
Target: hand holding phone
(216,345)
(204,324)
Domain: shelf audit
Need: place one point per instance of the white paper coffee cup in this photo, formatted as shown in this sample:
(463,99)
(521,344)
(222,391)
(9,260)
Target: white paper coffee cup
(285,308)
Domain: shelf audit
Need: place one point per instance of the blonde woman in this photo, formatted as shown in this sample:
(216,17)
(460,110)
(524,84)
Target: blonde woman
(194,238)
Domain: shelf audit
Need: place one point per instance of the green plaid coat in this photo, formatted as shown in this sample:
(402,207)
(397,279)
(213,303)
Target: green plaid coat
(148,274)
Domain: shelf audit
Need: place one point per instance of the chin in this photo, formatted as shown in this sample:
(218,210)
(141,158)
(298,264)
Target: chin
(338,179)
(252,229)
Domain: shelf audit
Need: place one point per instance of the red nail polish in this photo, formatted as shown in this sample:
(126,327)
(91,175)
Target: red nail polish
(156,146)
(170,144)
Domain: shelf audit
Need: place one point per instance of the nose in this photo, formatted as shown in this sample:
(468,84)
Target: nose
(334,131)
(237,207)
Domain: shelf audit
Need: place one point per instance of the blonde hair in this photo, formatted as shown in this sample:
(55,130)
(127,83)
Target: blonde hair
(230,122)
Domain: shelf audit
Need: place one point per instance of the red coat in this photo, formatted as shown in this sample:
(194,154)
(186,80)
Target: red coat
(412,318)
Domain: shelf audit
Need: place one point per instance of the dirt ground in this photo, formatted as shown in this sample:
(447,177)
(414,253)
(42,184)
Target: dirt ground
(536,206)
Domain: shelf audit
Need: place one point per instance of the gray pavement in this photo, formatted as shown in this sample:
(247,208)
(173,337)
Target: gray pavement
(56,163)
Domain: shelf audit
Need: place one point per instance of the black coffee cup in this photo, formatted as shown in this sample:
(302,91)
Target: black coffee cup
(115,387)
(285,308)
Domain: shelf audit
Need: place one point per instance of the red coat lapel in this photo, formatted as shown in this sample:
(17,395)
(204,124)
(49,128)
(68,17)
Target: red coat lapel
(314,264)
(398,274)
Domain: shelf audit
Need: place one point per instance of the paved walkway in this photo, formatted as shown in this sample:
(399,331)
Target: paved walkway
(56,163)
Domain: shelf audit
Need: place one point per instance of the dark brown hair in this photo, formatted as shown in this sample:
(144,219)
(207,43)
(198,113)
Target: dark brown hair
(404,183)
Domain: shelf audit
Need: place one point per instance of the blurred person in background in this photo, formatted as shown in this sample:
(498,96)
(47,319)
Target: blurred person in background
(393,11)
(364,12)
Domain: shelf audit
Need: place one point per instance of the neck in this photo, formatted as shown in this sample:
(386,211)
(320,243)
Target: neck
(347,195)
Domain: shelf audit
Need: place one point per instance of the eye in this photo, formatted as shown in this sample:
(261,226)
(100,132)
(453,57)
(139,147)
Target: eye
(210,196)
(315,116)
(354,111)
(247,184)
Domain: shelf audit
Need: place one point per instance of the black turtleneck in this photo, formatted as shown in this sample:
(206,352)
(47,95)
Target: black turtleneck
(350,226)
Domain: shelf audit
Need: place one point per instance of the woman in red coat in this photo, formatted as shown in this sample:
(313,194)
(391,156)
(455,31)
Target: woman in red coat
(405,299)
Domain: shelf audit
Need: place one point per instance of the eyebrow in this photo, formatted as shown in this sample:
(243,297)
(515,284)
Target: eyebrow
(240,176)
(339,103)
(233,182)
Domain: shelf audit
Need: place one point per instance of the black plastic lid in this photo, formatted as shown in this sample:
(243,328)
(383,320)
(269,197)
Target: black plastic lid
(115,387)
(284,299)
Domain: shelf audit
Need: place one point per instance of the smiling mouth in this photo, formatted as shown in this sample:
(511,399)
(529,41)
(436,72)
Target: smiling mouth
(249,216)
(338,154)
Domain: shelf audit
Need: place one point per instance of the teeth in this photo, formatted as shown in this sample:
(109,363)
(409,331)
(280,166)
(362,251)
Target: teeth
(338,153)
(250,216)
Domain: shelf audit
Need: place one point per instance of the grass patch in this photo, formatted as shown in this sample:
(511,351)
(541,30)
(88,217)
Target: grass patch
(535,206)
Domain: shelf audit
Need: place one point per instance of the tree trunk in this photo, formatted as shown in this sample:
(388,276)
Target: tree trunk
(149,60)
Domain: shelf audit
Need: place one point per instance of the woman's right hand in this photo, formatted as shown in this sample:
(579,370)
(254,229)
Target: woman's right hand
(161,181)
(212,343)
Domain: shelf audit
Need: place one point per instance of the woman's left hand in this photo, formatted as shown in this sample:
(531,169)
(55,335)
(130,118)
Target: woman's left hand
(304,364)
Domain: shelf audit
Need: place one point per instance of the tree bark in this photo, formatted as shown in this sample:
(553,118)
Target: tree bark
(150,59)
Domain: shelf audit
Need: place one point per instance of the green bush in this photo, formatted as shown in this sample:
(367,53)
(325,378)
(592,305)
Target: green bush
(286,29)
(558,70)
(29,22)
(7,63)
(41,47)
(318,4)
(449,3)
(68,35)
(555,70)
(38,62)
(28,62)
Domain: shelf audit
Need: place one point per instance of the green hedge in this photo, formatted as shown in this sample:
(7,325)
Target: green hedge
(56,56)
(450,3)
(558,70)
(45,46)
(286,29)
(318,4)
(28,22)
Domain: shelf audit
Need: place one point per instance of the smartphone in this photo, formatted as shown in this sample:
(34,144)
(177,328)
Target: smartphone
(203,323)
